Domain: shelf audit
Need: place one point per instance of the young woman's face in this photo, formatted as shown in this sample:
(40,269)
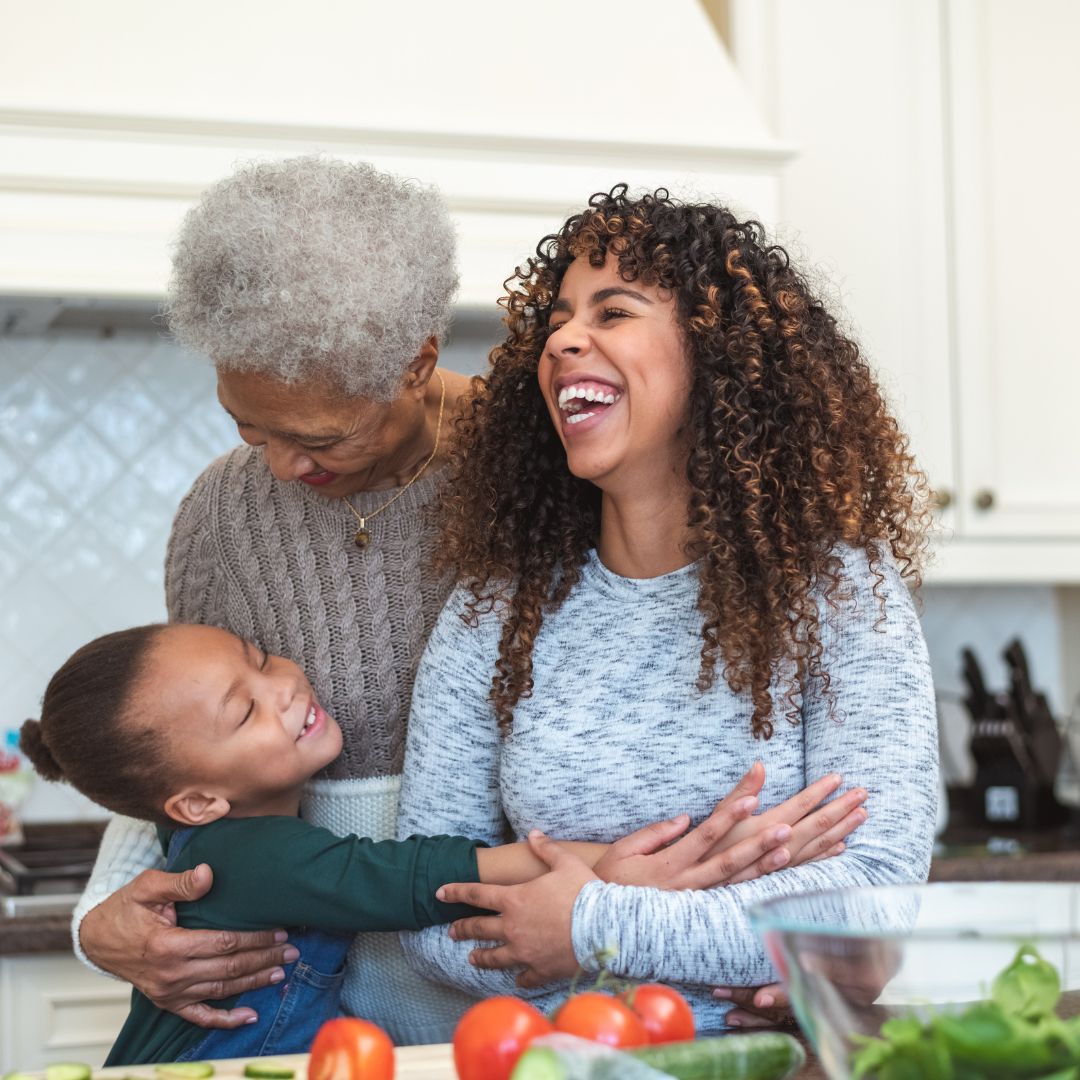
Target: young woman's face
(241,723)
(309,432)
(615,376)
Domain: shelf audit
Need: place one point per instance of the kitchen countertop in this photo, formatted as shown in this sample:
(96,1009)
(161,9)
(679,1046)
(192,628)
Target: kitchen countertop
(21,934)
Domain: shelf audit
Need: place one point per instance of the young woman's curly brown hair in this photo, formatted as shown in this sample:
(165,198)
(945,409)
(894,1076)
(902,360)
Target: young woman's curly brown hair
(793,452)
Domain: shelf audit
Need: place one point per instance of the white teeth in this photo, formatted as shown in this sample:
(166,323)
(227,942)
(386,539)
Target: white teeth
(578,417)
(570,396)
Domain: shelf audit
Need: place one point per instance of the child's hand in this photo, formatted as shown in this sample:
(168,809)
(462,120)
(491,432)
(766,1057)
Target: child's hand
(532,927)
(705,856)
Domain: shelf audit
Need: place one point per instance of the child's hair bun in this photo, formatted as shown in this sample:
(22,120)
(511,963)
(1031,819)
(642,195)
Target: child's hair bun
(32,744)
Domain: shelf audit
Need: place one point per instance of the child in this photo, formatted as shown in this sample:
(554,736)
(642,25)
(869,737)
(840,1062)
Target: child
(213,739)
(200,732)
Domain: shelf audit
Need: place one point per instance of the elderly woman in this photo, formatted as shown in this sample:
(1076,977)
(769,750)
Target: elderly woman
(321,291)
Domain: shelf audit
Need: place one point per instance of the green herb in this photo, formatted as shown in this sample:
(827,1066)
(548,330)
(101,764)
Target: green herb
(1014,1034)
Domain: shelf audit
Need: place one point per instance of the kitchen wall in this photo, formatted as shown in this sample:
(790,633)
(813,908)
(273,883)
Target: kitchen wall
(127,421)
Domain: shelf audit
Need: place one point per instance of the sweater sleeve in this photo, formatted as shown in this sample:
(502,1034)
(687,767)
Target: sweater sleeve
(451,776)
(281,871)
(127,848)
(876,726)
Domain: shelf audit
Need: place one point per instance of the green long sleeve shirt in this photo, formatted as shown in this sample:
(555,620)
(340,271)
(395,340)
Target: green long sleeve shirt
(282,872)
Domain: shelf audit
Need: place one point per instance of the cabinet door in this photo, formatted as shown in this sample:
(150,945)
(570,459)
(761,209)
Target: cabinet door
(856,90)
(52,1008)
(1014,100)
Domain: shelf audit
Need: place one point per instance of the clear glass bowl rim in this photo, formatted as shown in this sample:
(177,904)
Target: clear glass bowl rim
(763,917)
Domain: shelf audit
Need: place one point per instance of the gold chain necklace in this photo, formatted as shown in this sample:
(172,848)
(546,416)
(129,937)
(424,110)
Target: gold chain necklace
(363,536)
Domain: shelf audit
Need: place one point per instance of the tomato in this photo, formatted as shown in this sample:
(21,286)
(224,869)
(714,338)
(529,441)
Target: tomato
(350,1049)
(603,1019)
(666,1014)
(493,1034)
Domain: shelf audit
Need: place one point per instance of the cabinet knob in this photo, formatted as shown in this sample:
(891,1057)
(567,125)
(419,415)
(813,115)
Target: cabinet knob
(984,499)
(941,498)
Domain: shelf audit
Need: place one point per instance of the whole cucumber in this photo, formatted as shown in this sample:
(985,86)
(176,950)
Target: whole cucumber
(760,1056)
(766,1055)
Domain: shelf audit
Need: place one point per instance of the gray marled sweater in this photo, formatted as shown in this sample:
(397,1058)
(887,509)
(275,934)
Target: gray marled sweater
(615,736)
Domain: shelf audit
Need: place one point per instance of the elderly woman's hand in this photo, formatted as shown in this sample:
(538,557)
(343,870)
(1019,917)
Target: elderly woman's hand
(533,924)
(134,935)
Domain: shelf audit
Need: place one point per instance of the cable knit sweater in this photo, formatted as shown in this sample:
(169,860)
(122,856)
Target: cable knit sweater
(614,736)
(276,563)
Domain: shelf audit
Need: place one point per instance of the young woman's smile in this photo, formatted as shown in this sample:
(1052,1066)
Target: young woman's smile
(614,375)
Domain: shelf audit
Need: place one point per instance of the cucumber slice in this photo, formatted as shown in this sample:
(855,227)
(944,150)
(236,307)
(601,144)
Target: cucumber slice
(17,1076)
(268,1070)
(181,1070)
(67,1070)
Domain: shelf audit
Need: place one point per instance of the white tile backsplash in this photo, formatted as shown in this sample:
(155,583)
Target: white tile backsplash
(99,439)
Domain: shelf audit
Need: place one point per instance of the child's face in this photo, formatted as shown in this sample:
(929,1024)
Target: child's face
(243,726)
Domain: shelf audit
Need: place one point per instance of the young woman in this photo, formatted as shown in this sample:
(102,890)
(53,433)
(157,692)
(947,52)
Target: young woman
(684,522)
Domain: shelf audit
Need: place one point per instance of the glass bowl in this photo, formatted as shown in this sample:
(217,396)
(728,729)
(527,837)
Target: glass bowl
(958,981)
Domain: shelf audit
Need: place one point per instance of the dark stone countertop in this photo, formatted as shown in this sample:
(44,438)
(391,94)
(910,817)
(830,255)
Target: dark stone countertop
(35,934)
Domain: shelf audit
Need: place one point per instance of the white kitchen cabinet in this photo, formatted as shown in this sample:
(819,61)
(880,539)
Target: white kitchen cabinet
(1014,93)
(933,184)
(52,1008)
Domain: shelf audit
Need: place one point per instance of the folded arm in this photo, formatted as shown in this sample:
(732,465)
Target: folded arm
(876,725)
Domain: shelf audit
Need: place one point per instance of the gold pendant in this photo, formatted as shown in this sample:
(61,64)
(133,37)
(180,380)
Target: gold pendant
(362,537)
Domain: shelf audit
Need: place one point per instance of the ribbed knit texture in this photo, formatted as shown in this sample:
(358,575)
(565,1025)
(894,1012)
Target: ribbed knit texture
(276,563)
(614,736)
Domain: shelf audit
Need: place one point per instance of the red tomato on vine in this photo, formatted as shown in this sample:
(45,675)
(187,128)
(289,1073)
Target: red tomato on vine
(493,1034)
(666,1014)
(602,1018)
(351,1049)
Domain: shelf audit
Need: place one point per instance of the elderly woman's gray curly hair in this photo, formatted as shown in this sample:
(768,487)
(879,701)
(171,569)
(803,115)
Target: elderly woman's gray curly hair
(312,268)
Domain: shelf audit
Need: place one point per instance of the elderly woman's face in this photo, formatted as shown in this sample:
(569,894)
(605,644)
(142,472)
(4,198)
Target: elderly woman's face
(309,432)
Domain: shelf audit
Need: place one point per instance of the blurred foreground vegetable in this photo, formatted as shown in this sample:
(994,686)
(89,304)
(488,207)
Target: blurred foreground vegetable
(763,1056)
(351,1049)
(493,1034)
(1014,1034)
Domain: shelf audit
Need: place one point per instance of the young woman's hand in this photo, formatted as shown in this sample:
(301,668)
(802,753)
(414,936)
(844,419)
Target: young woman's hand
(532,924)
(818,829)
(732,844)
(134,935)
(704,857)
(756,1006)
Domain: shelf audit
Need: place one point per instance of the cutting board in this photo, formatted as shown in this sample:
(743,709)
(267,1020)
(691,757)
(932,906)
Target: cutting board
(433,1062)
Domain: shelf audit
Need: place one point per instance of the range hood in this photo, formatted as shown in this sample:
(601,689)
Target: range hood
(516,112)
